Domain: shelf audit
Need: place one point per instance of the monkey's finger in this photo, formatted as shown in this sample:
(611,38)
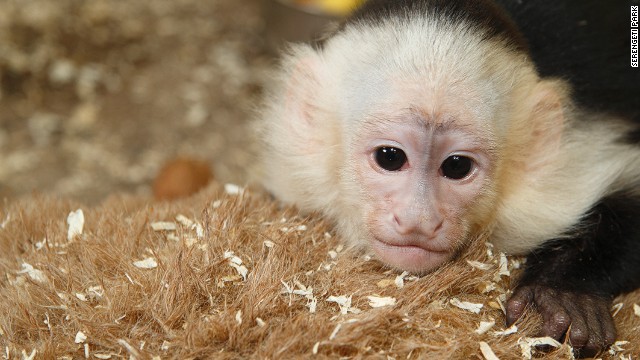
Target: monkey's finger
(556,317)
(518,303)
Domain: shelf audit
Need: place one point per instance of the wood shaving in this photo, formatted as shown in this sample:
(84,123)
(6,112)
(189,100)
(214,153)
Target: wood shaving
(233,189)
(315,348)
(102,356)
(527,345)
(465,305)
(239,317)
(260,322)
(508,331)
(31,356)
(376,301)
(617,347)
(33,273)
(487,352)
(80,337)
(75,221)
(185,220)
(484,327)
(399,281)
(615,309)
(269,244)
(636,309)
(163,226)
(148,263)
(344,302)
(479,265)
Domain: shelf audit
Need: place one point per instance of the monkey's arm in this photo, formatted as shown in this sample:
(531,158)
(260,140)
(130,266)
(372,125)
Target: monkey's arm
(572,281)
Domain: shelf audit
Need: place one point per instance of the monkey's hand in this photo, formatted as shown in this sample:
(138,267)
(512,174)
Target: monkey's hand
(584,318)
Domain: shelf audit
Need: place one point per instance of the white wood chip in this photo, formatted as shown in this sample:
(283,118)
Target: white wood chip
(260,322)
(487,352)
(216,204)
(233,189)
(81,296)
(344,302)
(465,305)
(163,226)
(239,317)
(335,332)
(315,348)
(230,255)
(484,327)
(376,301)
(30,356)
(269,244)
(184,220)
(165,346)
(479,265)
(241,269)
(5,221)
(35,274)
(527,344)
(75,221)
(636,309)
(102,356)
(80,337)
(504,265)
(301,228)
(148,263)
(399,281)
(615,309)
(508,331)
(86,351)
(617,347)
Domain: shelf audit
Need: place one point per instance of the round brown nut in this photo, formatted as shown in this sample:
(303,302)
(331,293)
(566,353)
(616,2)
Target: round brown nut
(180,178)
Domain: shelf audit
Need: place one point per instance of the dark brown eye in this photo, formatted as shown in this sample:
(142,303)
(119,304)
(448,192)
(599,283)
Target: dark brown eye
(390,158)
(456,167)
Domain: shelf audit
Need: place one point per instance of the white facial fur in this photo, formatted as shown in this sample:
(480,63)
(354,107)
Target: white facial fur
(431,88)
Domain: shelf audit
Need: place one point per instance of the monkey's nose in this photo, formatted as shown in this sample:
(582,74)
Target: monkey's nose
(416,226)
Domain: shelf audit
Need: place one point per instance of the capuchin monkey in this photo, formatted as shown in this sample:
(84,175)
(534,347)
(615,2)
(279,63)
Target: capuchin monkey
(419,125)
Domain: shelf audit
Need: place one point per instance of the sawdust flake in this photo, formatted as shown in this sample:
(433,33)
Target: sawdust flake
(35,274)
(465,305)
(80,337)
(527,344)
(376,301)
(75,221)
(508,331)
(163,226)
(148,263)
(487,352)
(636,309)
(484,327)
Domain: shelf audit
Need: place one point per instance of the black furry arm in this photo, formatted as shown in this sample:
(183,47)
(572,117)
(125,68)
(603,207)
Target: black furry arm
(573,281)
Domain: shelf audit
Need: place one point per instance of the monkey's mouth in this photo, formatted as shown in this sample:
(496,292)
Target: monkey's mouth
(411,256)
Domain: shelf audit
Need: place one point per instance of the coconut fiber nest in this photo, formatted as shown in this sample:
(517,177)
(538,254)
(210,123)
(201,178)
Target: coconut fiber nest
(230,274)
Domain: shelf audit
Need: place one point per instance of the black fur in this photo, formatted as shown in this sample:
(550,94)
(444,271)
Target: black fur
(603,257)
(587,43)
(484,14)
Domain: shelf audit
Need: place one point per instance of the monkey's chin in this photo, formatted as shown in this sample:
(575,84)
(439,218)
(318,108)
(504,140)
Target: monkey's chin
(410,258)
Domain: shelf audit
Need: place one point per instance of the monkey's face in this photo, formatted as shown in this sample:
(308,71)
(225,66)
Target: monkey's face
(420,178)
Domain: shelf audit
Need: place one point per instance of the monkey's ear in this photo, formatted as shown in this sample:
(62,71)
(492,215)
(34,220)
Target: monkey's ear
(304,94)
(545,109)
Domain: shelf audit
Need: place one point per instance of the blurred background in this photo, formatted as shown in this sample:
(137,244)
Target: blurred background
(96,95)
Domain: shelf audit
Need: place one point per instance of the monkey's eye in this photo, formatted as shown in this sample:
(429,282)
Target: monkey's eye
(456,167)
(390,158)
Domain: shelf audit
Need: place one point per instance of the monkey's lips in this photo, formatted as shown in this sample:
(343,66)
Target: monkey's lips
(414,256)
